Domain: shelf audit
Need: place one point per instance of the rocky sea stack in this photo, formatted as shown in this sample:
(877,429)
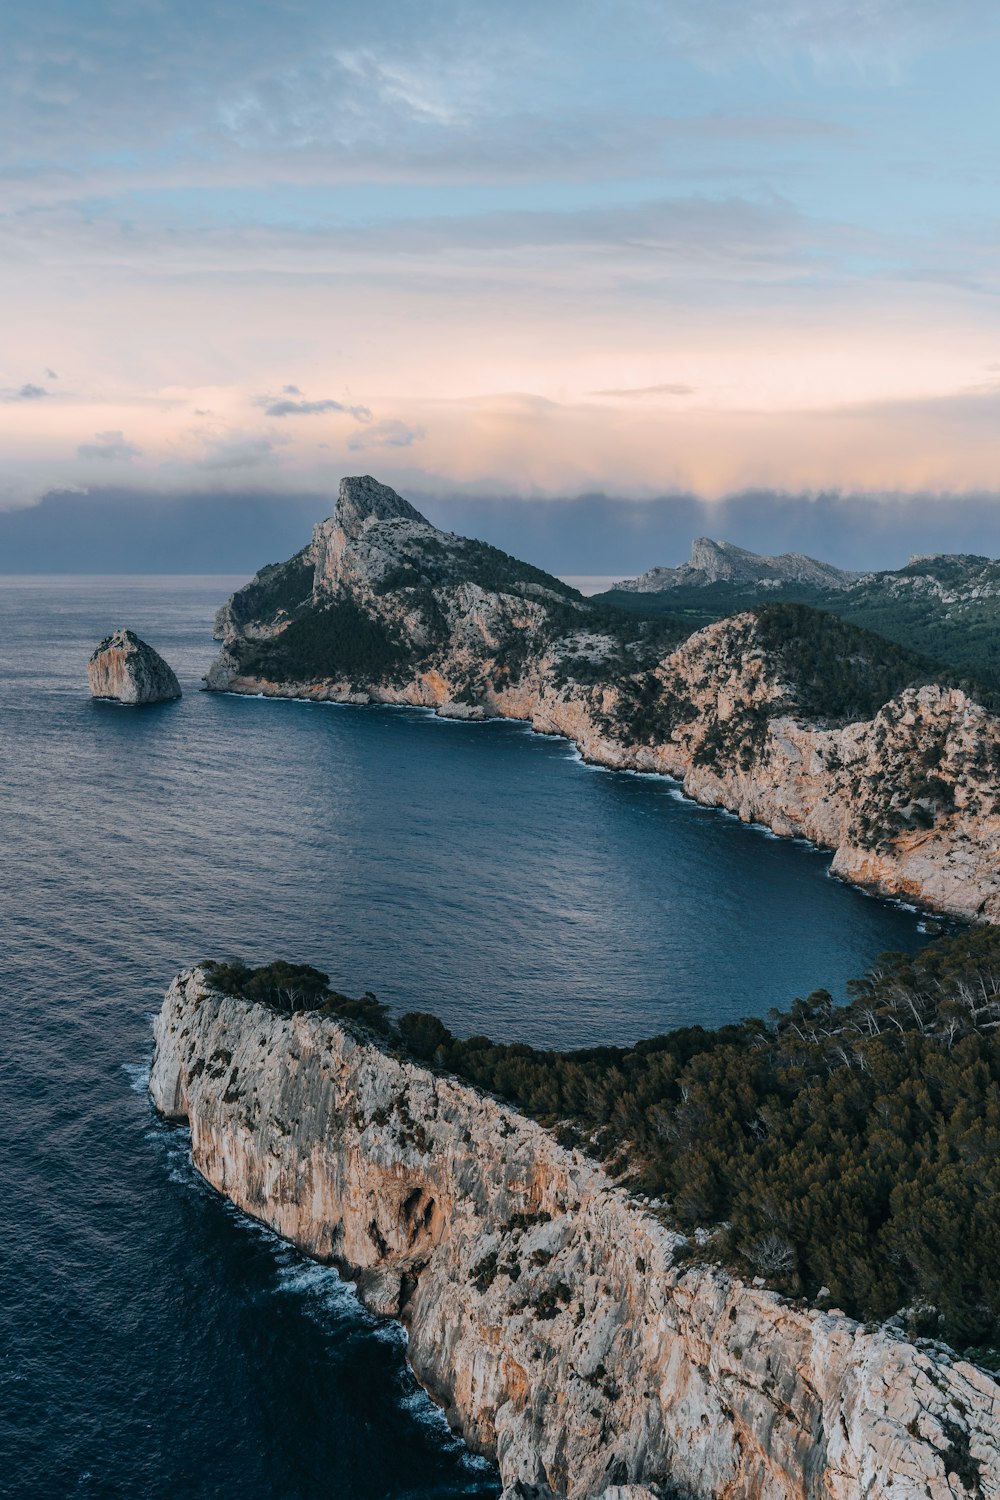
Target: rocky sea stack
(126,670)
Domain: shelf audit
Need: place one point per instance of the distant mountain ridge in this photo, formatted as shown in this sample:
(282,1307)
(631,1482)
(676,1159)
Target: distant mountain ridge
(780,712)
(943,604)
(724,562)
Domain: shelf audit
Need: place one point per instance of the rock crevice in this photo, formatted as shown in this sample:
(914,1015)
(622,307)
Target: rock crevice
(551,1316)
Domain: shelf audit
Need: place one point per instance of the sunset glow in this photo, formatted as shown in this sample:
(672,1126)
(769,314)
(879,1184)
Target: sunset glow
(718,247)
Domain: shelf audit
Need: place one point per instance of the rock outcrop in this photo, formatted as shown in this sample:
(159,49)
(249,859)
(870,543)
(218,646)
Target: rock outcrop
(384,608)
(554,1318)
(126,670)
(724,562)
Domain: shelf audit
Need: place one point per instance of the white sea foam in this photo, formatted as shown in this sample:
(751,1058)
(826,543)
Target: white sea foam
(138,1076)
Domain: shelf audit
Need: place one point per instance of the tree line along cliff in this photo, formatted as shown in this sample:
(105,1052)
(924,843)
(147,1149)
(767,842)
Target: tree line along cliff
(850,1151)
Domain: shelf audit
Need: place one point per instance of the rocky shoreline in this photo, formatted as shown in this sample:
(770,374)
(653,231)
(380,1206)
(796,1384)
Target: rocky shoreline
(907,800)
(560,1325)
(951,869)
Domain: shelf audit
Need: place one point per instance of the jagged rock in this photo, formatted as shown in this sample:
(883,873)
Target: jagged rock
(361,502)
(908,800)
(724,562)
(124,668)
(603,1368)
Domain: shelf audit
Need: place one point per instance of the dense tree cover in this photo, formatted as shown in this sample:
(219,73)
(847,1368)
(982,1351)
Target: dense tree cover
(431,561)
(337,640)
(837,670)
(276,587)
(290,988)
(963,638)
(854,1148)
(702,604)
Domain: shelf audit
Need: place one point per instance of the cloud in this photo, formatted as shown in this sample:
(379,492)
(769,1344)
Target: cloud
(27,393)
(291,390)
(51,375)
(861,36)
(240,453)
(390,433)
(109,446)
(315,408)
(649,390)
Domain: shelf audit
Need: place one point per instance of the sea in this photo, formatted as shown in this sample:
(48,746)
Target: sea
(155,1344)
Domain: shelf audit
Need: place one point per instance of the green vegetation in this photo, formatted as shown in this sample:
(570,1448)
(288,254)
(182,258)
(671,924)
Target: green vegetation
(837,670)
(854,1148)
(430,562)
(702,605)
(337,640)
(499,572)
(962,634)
(290,988)
(966,636)
(278,587)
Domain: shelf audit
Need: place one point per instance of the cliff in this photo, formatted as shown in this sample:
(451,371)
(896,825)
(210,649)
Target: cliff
(552,1317)
(783,715)
(125,669)
(723,562)
(944,605)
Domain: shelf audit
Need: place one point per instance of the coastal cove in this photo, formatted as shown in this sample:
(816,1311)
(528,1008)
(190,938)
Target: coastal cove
(479,871)
(930,922)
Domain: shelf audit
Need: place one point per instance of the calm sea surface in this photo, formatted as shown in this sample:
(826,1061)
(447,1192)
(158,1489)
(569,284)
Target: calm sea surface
(154,1344)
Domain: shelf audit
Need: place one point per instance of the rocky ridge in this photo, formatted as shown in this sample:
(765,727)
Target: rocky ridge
(125,669)
(724,562)
(557,1321)
(384,608)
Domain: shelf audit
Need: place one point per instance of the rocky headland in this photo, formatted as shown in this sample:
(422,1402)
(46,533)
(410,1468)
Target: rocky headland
(127,670)
(559,1323)
(724,562)
(784,715)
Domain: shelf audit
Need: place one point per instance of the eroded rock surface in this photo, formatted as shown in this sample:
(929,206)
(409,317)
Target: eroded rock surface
(908,800)
(124,668)
(548,1313)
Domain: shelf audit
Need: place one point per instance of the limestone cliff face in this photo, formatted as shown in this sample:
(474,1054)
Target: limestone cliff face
(908,800)
(548,1313)
(124,668)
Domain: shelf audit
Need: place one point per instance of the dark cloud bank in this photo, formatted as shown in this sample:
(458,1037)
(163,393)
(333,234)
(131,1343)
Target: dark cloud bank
(123,532)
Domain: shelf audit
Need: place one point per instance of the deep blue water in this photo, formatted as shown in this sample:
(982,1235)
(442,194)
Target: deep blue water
(153,1343)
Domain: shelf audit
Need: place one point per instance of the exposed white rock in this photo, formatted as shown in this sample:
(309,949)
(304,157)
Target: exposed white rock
(599,1367)
(125,669)
(859,789)
(724,562)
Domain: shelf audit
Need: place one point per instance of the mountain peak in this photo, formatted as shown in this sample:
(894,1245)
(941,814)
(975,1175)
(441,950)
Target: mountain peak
(362,498)
(723,562)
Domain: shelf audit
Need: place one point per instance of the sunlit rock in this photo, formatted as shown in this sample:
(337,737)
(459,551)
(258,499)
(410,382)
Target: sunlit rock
(125,669)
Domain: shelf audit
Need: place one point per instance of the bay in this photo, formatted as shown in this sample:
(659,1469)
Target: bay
(156,1343)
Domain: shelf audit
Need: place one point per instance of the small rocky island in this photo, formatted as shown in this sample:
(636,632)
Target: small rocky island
(126,670)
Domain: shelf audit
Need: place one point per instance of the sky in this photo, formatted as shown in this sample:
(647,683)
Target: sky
(531,251)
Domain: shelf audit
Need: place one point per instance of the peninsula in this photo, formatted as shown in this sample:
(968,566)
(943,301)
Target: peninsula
(567,1329)
(783,714)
